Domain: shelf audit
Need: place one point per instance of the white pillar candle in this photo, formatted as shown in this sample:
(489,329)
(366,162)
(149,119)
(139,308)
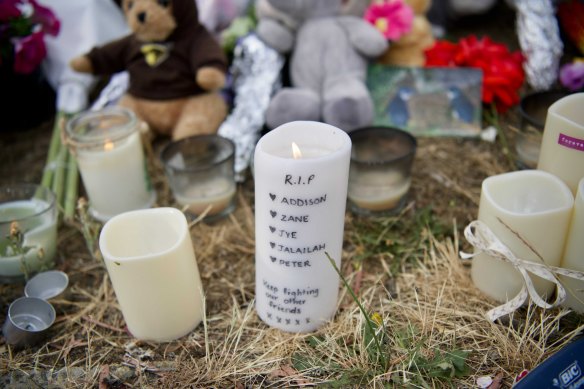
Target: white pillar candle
(108,149)
(562,147)
(574,253)
(534,204)
(151,262)
(299,215)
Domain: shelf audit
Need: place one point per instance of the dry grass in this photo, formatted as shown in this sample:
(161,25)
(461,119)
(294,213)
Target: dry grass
(405,268)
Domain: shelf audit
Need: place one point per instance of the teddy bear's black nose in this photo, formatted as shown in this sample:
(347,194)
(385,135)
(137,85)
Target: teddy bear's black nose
(141,17)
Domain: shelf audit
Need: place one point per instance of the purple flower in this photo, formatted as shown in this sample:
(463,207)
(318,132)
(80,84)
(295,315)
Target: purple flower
(46,18)
(572,75)
(29,52)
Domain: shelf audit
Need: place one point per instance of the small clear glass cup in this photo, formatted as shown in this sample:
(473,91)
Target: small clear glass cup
(533,110)
(380,172)
(28,231)
(200,171)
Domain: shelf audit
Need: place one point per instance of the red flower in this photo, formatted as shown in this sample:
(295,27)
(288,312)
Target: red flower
(8,10)
(29,52)
(502,70)
(46,18)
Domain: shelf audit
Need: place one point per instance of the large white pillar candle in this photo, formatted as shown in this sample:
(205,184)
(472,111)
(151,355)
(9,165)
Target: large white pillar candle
(529,205)
(574,253)
(108,149)
(299,211)
(151,262)
(562,147)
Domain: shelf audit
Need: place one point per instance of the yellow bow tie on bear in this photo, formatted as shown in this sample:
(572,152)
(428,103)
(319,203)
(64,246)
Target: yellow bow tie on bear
(154,53)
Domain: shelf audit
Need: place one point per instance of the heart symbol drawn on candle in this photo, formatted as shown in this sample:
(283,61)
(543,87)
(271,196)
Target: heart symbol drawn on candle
(272,228)
(273,213)
(272,196)
(273,258)
(272,244)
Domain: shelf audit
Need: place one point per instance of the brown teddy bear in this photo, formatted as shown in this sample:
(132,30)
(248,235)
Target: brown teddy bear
(409,49)
(176,67)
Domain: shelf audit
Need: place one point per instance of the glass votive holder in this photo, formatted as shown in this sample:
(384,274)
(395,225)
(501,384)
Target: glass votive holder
(533,110)
(200,170)
(28,231)
(380,172)
(28,321)
(108,148)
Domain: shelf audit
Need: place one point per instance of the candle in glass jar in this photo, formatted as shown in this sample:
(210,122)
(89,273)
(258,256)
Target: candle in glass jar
(151,262)
(300,198)
(574,254)
(379,191)
(32,209)
(108,149)
(216,195)
(529,212)
(562,147)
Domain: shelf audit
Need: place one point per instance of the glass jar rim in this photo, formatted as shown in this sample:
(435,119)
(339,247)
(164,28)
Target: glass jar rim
(209,138)
(123,130)
(366,131)
(31,189)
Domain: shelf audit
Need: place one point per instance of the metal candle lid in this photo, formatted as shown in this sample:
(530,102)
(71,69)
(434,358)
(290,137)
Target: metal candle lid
(46,285)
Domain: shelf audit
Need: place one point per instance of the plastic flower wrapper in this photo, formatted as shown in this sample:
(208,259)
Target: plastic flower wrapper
(572,75)
(503,73)
(392,17)
(23,25)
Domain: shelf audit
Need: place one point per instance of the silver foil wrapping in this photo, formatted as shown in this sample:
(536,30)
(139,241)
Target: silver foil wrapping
(256,70)
(539,37)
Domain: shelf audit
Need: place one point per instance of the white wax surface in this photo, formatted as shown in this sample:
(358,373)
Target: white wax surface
(40,234)
(537,206)
(151,263)
(116,180)
(217,192)
(574,254)
(378,191)
(300,210)
(562,147)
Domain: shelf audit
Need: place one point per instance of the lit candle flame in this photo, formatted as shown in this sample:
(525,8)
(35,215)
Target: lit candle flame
(296,153)
(109,145)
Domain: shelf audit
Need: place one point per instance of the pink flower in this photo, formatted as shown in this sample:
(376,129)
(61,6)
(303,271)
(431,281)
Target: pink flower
(8,10)
(29,52)
(392,17)
(572,75)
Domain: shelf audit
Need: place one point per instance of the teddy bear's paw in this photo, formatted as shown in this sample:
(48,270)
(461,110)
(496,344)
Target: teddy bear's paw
(81,64)
(347,103)
(291,104)
(210,78)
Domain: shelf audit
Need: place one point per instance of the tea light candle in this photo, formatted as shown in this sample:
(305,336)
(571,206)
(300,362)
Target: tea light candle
(151,262)
(108,149)
(300,200)
(573,254)
(32,208)
(562,148)
(533,204)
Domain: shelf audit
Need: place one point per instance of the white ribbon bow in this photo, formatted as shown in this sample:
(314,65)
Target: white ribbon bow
(484,240)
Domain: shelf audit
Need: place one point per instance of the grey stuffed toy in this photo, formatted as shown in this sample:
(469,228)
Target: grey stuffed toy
(328,64)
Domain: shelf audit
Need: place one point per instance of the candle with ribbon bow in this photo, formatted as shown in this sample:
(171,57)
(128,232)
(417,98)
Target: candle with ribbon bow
(529,213)
(573,254)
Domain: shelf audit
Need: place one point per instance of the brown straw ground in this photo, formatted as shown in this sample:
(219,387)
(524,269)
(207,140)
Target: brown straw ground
(405,269)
